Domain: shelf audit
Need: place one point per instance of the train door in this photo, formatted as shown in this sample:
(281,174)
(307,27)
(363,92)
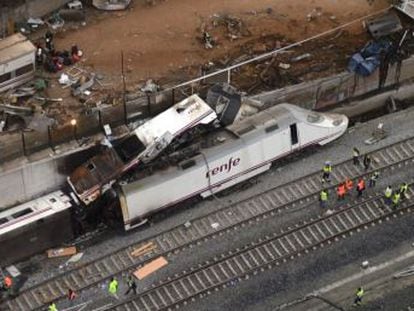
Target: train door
(294,136)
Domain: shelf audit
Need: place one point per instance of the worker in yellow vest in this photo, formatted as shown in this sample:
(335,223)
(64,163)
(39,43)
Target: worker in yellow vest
(52,307)
(113,287)
(358,296)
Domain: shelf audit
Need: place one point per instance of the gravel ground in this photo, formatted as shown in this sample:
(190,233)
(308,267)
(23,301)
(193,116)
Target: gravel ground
(399,126)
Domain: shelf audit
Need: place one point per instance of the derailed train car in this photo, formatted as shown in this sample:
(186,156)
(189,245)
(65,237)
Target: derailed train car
(229,156)
(34,226)
(98,174)
(220,159)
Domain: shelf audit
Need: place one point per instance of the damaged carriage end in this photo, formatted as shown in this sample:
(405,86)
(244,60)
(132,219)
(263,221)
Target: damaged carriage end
(97,175)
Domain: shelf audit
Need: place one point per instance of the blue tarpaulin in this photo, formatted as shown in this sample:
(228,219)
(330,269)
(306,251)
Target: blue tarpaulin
(366,61)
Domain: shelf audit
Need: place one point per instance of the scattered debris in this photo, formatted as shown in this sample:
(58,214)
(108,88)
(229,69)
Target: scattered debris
(16,110)
(145,249)
(225,100)
(284,66)
(215,225)
(150,268)
(83,87)
(111,5)
(378,134)
(60,252)
(75,5)
(74,258)
(235,26)
(384,25)
(315,13)
(300,57)
(150,87)
(368,59)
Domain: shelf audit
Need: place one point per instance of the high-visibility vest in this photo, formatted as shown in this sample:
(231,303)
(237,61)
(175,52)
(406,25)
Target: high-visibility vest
(388,192)
(53,307)
(349,184)
(324,196)
(361,184)
(113,287)
(8,281)
(341,190)
(396,198)
(403,188)
(327,169)
(360,293)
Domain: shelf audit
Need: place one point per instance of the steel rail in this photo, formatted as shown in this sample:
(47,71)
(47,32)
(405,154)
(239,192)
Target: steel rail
(264,254)
(263,204)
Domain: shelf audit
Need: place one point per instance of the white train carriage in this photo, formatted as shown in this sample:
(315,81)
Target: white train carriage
(34,226)
(235,154)
(98,174)
(17,61)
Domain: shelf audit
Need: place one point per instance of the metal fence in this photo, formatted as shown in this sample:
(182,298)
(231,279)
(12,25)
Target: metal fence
(309,95)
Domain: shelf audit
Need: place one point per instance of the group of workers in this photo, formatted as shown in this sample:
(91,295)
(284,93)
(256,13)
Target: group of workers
(344,188)
(113,286)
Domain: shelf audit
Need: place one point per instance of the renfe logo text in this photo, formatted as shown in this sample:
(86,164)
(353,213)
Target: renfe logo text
(226,167)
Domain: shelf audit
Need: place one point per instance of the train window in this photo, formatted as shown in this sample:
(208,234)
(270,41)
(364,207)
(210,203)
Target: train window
(314,118)
(5,77)
(22,213)
(294,134)
(3,221)
(52,200)
(271,128)
(187,164)
(25,69)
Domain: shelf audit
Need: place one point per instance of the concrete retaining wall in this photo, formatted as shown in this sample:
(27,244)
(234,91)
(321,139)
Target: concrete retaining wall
(33,179)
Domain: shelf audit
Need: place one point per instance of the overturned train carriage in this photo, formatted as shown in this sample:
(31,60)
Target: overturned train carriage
(228,157)
(98,174)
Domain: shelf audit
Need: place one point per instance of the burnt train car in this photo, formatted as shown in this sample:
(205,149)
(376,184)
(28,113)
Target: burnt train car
(98,174)
(229,156)
(34,226)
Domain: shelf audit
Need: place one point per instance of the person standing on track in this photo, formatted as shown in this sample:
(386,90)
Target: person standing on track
(349,184)
(113,287)
(360,186)
(327,170)
(358,296)
(52,307)
(71,294)
(396,199)
(341,191)
(403,190)
(355,155)
(132,286)
(388,195)
(373,179)
(323,198)
(367,162)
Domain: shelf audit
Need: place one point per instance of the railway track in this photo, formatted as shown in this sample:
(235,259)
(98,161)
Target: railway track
(270,202)
(264,254)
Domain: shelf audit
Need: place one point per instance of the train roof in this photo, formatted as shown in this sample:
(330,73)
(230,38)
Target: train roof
(32,211)
(246,131)
(15,46)
(176,119)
